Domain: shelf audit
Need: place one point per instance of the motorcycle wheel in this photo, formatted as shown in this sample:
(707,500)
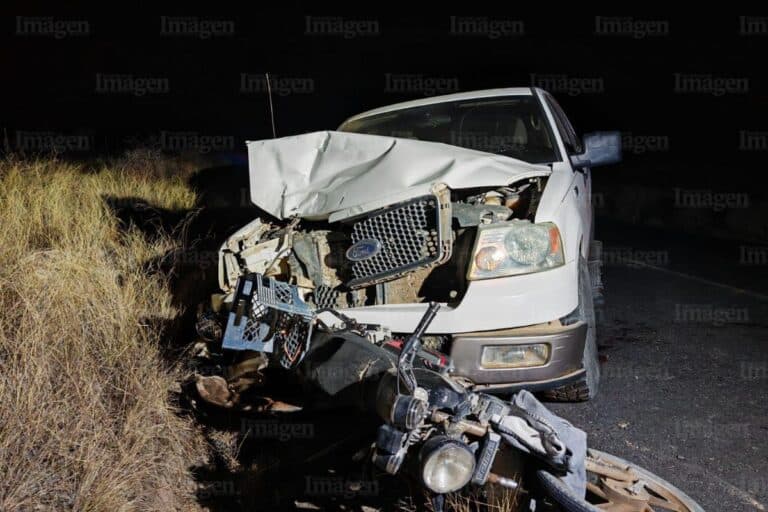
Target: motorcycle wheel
(614,484)
(623,483)
(562,494)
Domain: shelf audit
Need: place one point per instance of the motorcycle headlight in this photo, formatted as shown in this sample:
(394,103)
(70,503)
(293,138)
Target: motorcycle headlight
(515,247)
(446,465)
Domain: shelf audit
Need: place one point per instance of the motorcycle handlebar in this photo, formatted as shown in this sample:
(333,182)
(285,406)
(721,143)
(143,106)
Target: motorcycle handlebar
(467,426)
(413,339)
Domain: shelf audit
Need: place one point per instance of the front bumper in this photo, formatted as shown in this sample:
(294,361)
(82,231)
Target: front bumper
(564,365)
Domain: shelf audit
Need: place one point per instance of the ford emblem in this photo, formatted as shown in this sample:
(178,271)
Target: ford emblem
(364,249)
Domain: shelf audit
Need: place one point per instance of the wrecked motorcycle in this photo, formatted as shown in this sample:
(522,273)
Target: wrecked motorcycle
(433,429)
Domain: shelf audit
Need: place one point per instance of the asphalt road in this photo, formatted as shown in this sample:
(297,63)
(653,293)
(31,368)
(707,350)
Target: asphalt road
(684,351)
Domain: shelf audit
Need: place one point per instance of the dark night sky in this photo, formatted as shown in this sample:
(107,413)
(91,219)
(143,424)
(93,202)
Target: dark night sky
(50,83)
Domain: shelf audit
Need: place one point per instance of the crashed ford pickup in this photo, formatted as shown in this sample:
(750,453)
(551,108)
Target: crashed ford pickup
(479,201)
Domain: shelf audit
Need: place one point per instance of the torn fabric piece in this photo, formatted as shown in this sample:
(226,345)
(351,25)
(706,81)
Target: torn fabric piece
(534,429)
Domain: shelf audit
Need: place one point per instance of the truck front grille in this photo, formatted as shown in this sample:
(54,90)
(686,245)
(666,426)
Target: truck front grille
(410,235)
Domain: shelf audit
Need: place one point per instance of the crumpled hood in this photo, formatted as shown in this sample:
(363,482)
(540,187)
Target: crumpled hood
(315,174)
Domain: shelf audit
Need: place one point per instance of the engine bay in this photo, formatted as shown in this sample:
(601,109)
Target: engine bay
(412,251)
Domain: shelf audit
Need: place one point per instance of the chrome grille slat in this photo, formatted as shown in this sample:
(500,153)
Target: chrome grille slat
(410,237)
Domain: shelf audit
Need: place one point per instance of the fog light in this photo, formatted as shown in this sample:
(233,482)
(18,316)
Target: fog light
(514,356)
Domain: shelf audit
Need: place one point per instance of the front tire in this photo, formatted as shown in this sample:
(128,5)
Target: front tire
(563,495)
(586,387)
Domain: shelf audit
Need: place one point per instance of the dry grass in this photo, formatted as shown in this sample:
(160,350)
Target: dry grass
(86,419)
(492,499)
(488,499)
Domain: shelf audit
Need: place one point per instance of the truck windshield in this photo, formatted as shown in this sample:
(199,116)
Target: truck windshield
(512,126)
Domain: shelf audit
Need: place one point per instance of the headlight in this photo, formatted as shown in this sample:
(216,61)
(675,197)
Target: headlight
(515,247)
(447,465)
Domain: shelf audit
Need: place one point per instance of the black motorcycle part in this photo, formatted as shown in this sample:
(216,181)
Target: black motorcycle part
(486,457)
(347,367)
(490,406)
(562,494)
(391,448)
(389,439)
(408,412)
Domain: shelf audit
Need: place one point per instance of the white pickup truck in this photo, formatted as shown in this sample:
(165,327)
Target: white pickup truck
(480,201)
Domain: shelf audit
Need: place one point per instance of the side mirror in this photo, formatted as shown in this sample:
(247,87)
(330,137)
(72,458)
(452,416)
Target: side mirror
(600,148)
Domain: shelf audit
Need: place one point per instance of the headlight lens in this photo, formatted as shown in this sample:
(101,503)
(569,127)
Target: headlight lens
(515,247)
(490,258)
(447,465)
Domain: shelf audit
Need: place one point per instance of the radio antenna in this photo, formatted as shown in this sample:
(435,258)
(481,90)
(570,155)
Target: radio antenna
(271,108)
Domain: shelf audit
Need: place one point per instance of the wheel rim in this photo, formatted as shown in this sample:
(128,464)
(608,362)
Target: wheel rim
(619,486)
